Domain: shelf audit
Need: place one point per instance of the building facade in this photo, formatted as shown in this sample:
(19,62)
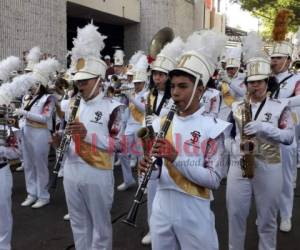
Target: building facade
(129,24)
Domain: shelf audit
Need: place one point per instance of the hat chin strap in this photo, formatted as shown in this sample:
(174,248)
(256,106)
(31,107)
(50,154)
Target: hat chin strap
(94,89)
(193,94)
(283,65)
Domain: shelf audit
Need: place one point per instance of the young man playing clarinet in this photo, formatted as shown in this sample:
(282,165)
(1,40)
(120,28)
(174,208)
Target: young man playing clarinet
(181,215)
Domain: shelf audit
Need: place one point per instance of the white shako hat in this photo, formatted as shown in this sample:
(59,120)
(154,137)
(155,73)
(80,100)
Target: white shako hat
(167,59)
(85,55)
(233,57)
(198,59)
(140,68)
(257,61)
(119,57)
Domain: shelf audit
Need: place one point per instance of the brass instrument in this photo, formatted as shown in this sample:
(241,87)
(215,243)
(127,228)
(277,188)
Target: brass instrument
(132,214)
(159,40)
(247,144)
(111,91)
(296,66)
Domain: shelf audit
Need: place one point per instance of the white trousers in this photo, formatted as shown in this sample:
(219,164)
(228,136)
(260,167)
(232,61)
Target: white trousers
(265,187)
(89,205)
(151,191)
(289,171)
(6,220)
(181,221)
(35,147)
(129,149)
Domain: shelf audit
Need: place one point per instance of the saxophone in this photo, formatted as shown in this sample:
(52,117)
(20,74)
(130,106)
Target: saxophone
(247,144)
(64,145)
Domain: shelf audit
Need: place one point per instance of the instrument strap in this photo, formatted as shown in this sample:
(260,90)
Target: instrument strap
(279,85)
(259,109)
(157,111)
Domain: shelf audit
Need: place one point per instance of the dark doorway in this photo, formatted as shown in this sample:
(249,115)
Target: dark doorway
(114,33)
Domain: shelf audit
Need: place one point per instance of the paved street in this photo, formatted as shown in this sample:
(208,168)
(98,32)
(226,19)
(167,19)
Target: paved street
(44,229)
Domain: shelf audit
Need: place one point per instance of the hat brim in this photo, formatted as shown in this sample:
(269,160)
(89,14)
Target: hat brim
(160,70)
(83,76)
(279,55)
(138,81)
(256,78)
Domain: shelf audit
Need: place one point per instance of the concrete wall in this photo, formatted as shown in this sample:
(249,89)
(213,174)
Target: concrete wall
(28,23)
(156,14)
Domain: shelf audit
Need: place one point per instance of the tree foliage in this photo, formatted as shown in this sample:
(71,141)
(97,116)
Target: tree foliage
(266,10)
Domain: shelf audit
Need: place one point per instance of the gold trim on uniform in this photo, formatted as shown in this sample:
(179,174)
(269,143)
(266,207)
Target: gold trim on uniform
(136,114)
(94,156)
(180,180)
(227,97)
(270,153)
(35,124)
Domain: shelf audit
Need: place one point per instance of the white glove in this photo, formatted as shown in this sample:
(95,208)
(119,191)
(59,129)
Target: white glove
(253,127)
(264,128)
(20,112)
(149,119)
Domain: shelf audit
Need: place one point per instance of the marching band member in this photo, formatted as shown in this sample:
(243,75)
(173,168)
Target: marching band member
(289,86)
(231,82)
(8,151)
(134,121)
(210,101)
(88,175)
(160,102)
(38,124)
(110,67)
(261,123)
(181,215)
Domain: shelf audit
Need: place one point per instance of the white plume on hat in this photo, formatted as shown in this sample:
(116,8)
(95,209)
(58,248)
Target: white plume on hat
(119,57)
(133,60)
(33,57)
(7,66)
(200,57)
(167,58)
(44,69)
(135,57)
(207,43)
(85,55)
(233,57)
(88,43)
(173,49)
(140,67)
(18,87)
(253,46)
(201,53)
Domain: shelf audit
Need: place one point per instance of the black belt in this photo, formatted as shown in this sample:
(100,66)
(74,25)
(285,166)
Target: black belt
(3,164)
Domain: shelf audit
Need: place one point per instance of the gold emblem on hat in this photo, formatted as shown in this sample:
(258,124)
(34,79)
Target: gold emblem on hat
(184,60)
(254,68)
(80,64)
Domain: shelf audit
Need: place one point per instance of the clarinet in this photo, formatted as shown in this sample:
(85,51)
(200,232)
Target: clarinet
(132,214)
(64,145)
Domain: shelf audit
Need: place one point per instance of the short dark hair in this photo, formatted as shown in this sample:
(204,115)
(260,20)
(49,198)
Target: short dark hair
(178,72)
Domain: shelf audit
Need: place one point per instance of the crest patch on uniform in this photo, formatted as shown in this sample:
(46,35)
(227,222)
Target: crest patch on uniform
(268,117)
(98,116)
